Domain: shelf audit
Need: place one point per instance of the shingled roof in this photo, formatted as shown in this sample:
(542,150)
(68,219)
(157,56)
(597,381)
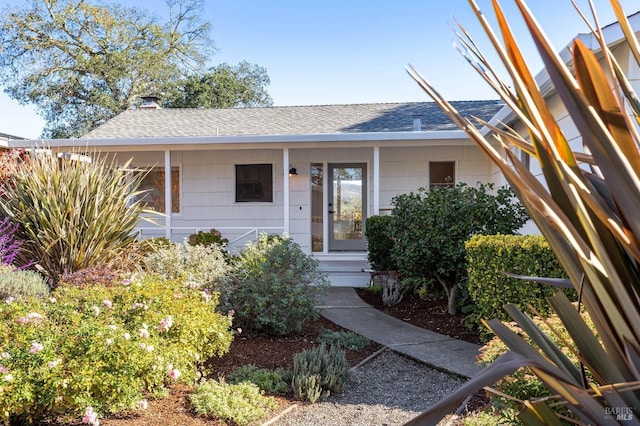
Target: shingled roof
(287,120)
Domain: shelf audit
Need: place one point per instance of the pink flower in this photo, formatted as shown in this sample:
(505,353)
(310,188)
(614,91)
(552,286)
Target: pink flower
(231,312)
(174,374)
(139,305)
(239,330)
(165,324)
(9,300)
(36,347)
(107,303)
(32,317)
(127,336)
(90,417)
(206,296)
(54,364)
(3,369)
(96,310)
(144,333)
(143,404)
(126,281)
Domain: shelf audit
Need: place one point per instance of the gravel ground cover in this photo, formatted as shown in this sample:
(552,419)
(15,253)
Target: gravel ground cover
(388,390)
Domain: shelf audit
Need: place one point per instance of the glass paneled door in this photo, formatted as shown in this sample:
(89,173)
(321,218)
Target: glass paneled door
(347,206)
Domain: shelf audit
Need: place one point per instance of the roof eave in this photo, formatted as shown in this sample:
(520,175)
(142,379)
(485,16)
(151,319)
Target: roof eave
(239,140)
(613,36)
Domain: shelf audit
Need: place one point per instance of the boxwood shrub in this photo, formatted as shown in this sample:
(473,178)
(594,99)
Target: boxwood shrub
(490,289)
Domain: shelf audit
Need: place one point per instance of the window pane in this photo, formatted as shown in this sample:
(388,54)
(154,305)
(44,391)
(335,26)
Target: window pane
(254,182)
(442,173)
(317,207)
(153,187)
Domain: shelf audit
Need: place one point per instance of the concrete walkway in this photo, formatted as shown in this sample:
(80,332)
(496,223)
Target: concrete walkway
(344,307)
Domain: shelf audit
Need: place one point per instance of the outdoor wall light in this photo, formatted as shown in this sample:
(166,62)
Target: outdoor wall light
(293,171)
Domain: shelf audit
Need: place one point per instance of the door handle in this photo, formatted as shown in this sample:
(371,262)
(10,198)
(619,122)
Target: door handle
(331,212)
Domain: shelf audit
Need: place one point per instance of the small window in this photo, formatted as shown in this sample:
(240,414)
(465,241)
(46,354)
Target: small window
(152,188)
(442,173)
(254,183)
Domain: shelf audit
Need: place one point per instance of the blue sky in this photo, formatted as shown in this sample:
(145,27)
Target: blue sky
(351,51)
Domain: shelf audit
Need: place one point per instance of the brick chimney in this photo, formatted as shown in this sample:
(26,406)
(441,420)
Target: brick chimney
(150,102)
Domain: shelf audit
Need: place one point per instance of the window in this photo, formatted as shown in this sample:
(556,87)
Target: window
(152,186)
(442,173)
(254,183)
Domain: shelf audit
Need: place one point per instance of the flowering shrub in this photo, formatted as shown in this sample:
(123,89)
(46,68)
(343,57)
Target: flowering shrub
(90,276)
(9,246)
(271,286)
(198,264)
(87,352)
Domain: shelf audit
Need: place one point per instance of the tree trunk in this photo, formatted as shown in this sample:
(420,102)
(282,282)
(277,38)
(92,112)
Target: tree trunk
(452,293)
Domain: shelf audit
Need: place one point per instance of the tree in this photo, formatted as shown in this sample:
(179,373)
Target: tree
(82,63)
(430,227)
(223,86)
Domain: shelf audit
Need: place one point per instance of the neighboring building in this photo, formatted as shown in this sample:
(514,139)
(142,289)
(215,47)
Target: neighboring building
(5,138)
(314,172)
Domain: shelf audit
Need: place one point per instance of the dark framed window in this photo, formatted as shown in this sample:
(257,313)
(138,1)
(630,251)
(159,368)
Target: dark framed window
(254,183)
(442,173)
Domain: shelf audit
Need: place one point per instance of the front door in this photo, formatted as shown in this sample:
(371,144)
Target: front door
(347,206)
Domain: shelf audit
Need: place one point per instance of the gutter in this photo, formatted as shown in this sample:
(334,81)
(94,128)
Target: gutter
(242,140)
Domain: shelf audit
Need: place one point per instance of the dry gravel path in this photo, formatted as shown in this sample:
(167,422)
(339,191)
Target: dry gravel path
(388,390)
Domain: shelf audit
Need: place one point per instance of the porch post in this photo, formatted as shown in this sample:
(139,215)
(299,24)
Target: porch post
(376,180)
(168,208)
(285,170)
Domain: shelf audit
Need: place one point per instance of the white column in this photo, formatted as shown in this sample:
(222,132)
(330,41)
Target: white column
(325,206)
(285,169)
(167,194)
(376,180)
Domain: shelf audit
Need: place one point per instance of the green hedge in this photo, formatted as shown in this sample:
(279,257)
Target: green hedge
(379,243)
(491,289)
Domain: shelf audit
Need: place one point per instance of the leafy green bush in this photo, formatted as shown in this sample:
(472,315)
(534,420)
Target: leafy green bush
(271,286)
(199,264)
(490,289)
(430,227)
(19,284)
(343,339)
(319,372)
(380,243)
(104,348)
(213,237)
(241,404)
(271,381)
(72,214)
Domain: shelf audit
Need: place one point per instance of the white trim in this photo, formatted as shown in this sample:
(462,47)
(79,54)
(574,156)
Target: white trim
(375,171)
(286,189)
(301,139)
(168,209)
(325,209)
